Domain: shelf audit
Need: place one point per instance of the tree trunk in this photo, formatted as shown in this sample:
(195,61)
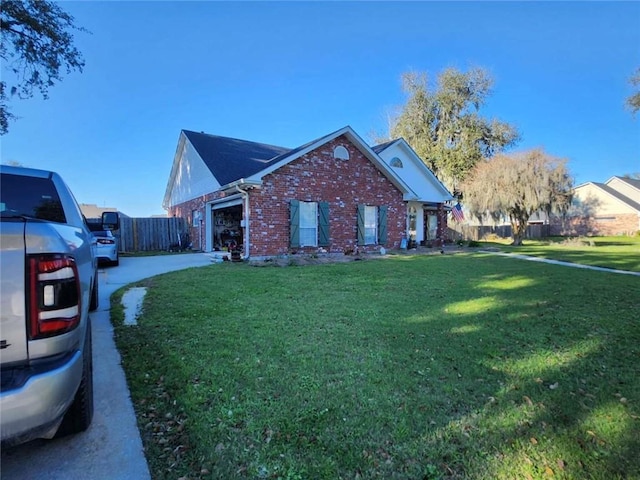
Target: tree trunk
(518,230)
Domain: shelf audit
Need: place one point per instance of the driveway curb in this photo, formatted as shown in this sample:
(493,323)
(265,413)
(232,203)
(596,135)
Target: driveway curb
(111,449)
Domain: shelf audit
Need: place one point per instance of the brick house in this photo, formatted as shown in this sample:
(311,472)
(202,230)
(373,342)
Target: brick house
(610,208)
(334,194)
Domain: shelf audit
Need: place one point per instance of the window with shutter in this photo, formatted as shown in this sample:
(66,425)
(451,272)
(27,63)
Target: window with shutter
(382,225)
(372,227)
(309,224)
(323,224)
(360,228)
(294,223)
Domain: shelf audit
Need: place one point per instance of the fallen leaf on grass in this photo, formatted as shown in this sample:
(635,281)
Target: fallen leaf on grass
(533,441)
(527,400)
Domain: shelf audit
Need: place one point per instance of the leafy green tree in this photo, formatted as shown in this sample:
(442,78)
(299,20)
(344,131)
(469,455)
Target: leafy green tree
(36,45)
(516,186)
(444,126)
(633,102)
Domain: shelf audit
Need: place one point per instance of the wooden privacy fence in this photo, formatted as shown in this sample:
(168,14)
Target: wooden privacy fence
(150,234)
(471,232)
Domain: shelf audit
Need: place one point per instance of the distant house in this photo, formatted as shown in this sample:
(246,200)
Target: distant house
(610,208)
(91,210)
(334,194)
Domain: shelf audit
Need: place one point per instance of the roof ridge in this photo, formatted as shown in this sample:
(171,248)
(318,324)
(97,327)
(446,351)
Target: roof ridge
(235,139)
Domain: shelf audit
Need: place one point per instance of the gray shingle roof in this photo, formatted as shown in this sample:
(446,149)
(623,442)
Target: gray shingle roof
(383,146)
(631,181)
(231,159)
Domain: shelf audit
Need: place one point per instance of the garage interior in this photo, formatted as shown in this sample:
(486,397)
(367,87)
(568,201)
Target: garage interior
(227,230)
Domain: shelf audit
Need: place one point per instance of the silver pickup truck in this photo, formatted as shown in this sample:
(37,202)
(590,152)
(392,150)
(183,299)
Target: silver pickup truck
(48,286)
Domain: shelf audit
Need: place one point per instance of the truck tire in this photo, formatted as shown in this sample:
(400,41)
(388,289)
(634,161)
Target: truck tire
(80,413)
(93,304)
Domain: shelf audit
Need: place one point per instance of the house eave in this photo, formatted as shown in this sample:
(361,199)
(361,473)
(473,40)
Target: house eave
(243,184)
(446,194)
(174,171)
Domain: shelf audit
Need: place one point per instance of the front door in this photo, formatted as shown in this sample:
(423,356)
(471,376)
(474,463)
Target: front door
(430,226)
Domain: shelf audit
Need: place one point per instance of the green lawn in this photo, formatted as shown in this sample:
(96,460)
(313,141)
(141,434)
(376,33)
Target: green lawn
(621,253)
(426,367)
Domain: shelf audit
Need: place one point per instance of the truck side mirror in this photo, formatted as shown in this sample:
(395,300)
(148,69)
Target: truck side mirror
(110,221)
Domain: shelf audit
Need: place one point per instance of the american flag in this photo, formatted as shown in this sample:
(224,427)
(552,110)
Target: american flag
(457,213)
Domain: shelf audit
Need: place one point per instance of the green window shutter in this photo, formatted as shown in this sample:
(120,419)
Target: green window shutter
(323,224)
(361,224)
(294,223)
(382,225)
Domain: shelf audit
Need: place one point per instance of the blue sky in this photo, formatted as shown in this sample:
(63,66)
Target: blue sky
(286,73)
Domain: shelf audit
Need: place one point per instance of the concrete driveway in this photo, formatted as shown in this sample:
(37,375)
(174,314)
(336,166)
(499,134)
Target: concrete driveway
(111,448)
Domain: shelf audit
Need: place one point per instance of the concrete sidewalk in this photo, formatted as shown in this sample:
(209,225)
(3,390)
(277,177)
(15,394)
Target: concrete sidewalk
(111,449)
(559,262)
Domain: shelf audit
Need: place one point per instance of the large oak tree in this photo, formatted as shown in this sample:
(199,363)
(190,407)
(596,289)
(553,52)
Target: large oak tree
(633,102)
(36,47)
(516,186)
(443,124)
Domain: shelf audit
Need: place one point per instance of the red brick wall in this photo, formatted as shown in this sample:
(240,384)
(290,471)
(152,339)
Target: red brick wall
(625,224)
(316,177)
(185,210)
(620,224)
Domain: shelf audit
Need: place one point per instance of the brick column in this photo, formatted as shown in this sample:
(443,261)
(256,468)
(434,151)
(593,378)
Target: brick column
(441,230)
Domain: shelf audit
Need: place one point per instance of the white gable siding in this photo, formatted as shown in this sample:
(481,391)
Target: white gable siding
(625,189)
(193,178)
(414,175)
(600,201)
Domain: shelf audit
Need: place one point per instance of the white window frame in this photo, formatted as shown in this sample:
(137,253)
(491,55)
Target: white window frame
(370,225)
(341,153)
(195,218)
(308,226)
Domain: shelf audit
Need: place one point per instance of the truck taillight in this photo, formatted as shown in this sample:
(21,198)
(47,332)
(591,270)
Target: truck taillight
(106,241)
(54,295)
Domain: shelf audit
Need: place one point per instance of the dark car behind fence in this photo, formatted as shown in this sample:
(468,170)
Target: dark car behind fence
(151,234)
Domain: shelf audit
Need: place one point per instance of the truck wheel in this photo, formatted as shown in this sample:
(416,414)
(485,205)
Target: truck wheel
(80,413)
(93,304)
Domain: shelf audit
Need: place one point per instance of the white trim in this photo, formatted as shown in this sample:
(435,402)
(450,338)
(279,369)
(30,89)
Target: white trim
(230,201)
(341,153)
(210,207)
(174,171)
(623,180)
(426,170)
(190,176)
